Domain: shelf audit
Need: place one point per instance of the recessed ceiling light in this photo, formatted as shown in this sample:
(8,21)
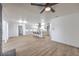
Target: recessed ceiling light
(20,21)
(24,22)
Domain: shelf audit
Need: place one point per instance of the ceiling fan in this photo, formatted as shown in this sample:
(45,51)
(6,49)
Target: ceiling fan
(47,6)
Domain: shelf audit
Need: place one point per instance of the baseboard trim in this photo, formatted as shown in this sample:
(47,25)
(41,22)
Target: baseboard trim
(65,43)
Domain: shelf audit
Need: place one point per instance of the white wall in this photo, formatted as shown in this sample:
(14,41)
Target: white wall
(65,29)
(4,30)
(13,29)
(24,29)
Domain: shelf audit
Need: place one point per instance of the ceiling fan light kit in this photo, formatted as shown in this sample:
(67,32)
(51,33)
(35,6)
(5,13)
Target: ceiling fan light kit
(47,9)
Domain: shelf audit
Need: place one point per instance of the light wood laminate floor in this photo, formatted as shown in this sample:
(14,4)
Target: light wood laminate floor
(33,46)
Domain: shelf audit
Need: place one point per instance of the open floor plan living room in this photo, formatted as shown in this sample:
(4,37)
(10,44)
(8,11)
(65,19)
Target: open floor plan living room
(40,29)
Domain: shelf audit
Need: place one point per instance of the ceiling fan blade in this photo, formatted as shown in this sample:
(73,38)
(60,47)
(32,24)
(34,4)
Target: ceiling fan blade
(52,10)
(36,4)
(51,4)
(42,10)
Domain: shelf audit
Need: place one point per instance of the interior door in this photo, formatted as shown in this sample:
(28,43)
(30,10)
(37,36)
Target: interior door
(20,29)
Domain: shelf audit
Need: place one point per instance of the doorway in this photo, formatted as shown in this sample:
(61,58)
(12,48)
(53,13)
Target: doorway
(20,30)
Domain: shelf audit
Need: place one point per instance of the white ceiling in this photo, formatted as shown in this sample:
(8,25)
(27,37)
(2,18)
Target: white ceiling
(13,12)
